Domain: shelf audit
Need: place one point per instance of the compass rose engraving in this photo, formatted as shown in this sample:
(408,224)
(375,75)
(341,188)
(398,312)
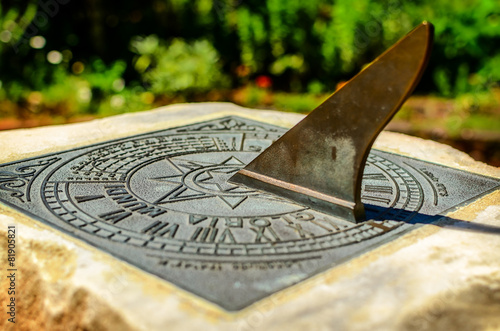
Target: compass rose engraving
(201,180)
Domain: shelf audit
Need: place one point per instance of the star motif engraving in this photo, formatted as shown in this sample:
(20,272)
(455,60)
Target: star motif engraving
(191,180)
(220,179)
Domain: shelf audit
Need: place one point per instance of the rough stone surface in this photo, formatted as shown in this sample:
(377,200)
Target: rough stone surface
(438,277)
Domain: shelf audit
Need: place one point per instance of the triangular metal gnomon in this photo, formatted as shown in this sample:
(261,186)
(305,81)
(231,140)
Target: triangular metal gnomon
(320,161)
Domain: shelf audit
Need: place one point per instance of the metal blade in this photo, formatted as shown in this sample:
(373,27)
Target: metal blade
(319,162)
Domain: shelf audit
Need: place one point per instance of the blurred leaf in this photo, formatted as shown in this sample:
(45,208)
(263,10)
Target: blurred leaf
(180,67)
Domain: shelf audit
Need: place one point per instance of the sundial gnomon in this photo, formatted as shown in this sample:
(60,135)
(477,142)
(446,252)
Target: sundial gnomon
(161,201)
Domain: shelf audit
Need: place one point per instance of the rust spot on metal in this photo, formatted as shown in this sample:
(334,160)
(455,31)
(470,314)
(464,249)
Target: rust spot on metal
(334,153)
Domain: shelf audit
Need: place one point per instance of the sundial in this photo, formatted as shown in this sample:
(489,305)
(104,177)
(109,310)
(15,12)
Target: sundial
(169,201)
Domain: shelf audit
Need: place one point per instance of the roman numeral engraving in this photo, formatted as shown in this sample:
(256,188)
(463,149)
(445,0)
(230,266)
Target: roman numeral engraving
(162,229)
(298,228)
(332,227)
(116,190)
(115,216)
(301,232)
(195,219)
(124,198)
(207,234)
(85,198)
(137,205)
(227,236)
(260,227)
(323,222)
(232,222)
(151,211)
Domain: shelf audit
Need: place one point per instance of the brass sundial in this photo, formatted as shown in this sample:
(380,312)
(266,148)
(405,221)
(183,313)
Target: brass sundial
(169,201)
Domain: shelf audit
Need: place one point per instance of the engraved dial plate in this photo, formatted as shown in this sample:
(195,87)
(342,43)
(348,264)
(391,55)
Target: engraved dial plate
(161,201)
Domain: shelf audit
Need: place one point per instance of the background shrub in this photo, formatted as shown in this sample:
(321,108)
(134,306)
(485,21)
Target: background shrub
(85,53)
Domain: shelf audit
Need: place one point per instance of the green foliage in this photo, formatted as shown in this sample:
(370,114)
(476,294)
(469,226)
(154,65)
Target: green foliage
(105,80)
(297,103)
(12,22)
(291,62)
(466,54)
(328,40)
(129,100)
(315,87)
(482,122)
(254,96)
(178,67)
(202,45)
(84,92)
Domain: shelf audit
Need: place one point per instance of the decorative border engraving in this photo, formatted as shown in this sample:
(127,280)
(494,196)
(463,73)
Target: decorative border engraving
(19,181)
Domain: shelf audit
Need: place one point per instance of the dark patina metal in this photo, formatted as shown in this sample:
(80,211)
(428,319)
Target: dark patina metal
(161,201)
(320,161)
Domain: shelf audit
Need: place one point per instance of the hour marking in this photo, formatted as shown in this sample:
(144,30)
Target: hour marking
(376,199)
(160,229)
(115,216)
(375,177)
(85,198)
(201,234)
(378,189)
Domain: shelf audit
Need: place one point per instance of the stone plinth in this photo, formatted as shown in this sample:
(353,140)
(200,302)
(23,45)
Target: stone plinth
(444,276)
